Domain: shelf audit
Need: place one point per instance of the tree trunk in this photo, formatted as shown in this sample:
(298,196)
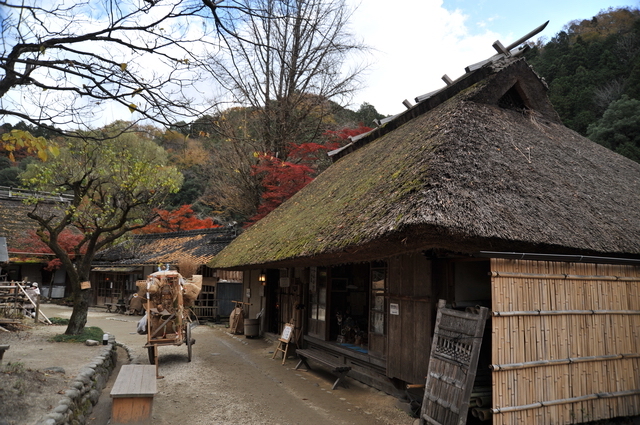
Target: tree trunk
(81,300)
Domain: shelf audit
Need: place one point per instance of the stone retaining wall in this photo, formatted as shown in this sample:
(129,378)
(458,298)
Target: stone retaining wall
(85,389)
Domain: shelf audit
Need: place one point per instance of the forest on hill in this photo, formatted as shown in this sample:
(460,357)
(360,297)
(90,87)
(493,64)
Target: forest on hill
(592,68)
(228,174)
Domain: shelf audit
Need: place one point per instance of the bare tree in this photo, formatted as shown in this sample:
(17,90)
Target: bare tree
(289,63)
(63,63)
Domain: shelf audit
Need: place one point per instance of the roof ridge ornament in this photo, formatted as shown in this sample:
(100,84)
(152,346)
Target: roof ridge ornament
(508,51)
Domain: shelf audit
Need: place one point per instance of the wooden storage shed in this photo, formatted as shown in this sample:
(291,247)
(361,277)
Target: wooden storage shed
(480,196)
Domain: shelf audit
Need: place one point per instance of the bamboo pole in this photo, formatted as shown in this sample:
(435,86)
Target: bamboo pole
(564,313)
(570,360)
(563,276)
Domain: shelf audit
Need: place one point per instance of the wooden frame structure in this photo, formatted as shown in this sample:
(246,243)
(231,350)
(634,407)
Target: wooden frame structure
(452,367)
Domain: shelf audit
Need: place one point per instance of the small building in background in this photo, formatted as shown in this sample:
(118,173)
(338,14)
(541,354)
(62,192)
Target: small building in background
(116,270)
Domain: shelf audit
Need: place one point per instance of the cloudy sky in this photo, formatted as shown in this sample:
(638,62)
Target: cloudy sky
(416,42)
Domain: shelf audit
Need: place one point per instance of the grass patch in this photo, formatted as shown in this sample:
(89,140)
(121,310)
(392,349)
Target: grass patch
(15,367)
(59,321)
(91,332)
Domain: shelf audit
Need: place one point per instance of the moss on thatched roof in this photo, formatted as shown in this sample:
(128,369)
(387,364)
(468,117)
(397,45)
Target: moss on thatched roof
(472,173)
(199,246)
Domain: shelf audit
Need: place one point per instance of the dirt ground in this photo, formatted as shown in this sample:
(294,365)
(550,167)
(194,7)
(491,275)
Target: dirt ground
(230,380)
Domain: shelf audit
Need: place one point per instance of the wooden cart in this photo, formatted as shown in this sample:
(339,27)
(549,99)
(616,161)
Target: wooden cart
(168,318)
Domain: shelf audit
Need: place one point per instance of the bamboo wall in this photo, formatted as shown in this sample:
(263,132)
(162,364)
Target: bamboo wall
(566,343)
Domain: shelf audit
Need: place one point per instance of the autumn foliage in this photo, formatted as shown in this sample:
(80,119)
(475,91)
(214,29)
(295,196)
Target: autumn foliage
(282,179)
(68,240)
(184,218)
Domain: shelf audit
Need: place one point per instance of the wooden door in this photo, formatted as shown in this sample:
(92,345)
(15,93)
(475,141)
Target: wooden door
(452,366)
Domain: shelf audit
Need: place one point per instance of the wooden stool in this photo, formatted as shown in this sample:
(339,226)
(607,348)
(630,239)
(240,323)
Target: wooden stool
(132,394)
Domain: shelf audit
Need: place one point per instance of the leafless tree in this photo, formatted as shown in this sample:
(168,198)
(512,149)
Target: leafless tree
(291,62)
(62,64)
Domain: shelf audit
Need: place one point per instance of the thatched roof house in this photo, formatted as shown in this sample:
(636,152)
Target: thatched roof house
(27,255)
(198,246)
(486,169)
(477,195)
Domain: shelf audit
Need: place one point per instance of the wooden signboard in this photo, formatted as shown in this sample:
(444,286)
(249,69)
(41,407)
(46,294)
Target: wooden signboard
(285,340)
(287,333)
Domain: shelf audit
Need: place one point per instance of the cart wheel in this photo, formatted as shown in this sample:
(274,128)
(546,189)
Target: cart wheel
(152,355)
(188,336)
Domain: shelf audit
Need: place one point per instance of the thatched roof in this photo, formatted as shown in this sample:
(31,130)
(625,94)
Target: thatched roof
(465,172)
(20,229)
(199,246)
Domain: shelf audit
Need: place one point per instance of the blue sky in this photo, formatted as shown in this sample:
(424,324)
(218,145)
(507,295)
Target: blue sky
(417,41)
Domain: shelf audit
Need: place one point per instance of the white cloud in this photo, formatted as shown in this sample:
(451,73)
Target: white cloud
(416,43)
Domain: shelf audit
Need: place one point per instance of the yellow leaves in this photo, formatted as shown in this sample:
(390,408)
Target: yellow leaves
(136,91)
(133,107)
(19,139)
(123,67)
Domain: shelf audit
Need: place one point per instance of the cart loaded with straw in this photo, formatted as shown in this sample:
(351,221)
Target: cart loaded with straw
(168,297)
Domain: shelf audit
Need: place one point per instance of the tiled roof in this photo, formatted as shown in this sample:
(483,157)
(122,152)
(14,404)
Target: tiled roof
(197,245)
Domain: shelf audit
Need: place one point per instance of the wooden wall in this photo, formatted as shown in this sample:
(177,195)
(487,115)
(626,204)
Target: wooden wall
(566,341)
(409,332)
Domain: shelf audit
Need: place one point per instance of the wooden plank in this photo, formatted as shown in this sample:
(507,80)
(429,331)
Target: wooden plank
(131,410)
(135,381)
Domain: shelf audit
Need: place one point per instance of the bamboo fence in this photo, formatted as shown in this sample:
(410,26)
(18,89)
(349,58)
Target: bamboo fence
(565,345)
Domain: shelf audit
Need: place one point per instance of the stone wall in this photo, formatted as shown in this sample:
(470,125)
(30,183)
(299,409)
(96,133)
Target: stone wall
(84,391)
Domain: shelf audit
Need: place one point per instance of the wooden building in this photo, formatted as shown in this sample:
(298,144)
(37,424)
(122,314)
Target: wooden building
(116,270)
(27,257)
(477,195)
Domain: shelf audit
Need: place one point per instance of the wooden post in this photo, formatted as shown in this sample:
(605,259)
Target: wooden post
(37,308)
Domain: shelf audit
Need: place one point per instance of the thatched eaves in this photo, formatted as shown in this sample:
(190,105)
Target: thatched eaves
(198,246)
(490,168)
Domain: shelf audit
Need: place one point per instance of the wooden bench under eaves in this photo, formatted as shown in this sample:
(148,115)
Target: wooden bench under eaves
(335,363)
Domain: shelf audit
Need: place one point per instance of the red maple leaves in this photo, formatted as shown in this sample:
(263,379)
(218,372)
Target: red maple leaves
(282,179)
(184,218)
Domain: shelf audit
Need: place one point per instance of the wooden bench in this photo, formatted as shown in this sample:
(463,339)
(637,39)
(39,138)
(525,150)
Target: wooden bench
(132,394)
(338,368)
(120,308)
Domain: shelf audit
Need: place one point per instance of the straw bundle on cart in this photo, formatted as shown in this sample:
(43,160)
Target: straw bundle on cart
(192,288)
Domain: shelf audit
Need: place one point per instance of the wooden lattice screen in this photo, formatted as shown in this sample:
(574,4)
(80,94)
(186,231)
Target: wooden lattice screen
(452,366)
(566,342)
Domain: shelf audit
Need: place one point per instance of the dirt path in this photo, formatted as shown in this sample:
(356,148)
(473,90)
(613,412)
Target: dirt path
(231,380)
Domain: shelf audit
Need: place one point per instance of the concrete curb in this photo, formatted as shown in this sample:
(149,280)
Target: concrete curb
(84,391)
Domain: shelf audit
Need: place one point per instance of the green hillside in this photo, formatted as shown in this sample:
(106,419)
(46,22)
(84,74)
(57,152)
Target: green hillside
(593,71)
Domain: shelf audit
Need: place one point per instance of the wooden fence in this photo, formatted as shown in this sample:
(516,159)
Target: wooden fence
(566,343)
